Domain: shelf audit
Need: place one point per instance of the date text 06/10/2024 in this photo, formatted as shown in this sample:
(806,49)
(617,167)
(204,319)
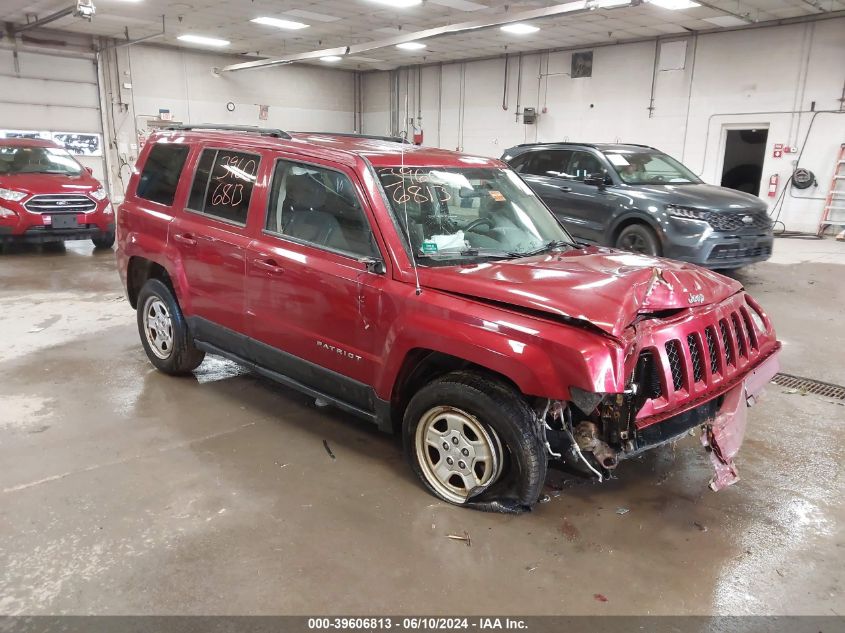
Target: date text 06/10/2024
(416,623)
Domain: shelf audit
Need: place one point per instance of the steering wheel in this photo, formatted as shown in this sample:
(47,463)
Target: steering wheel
(478,222)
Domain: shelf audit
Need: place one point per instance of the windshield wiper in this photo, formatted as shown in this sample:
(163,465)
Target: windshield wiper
(467,252)
(548,246)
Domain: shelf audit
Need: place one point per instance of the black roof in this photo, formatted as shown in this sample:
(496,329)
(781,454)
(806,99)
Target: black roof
(599,146)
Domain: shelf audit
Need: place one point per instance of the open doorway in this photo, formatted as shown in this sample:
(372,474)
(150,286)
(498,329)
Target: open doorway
(742,167)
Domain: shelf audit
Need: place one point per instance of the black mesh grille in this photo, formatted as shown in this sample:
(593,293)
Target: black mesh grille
(647,376)
(674,355)
(737,220)
(729,354)
(740,336)
(710,335)
(695,357)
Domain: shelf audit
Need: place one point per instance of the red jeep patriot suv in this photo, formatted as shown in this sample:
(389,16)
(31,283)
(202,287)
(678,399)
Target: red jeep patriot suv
(433,293)
(47,196)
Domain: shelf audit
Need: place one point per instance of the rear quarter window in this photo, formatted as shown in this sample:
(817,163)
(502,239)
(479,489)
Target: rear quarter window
(160,176)
(223,184)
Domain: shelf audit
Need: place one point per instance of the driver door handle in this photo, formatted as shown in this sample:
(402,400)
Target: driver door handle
(269,265)
(185,238)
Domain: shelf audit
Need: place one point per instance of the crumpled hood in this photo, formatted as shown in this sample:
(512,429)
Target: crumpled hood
(602,286)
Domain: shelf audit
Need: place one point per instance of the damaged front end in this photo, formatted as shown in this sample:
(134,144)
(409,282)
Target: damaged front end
(686,373)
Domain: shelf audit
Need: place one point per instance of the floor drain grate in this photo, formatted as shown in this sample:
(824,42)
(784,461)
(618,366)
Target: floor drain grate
(808,385)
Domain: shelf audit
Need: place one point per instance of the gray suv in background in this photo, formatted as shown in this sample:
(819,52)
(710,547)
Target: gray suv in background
(639,199)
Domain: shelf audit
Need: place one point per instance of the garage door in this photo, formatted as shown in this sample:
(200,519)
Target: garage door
(56,96)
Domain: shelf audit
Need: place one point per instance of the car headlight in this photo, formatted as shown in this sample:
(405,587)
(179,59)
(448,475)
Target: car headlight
(99,194)
(757,319)
(11,194)
(687,212)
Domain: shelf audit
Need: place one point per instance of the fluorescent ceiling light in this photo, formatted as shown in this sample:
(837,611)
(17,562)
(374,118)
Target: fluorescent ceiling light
(674,5)
(280,24)
(411,46)
(331,59)
(201,39)
(398,4)
(519,29)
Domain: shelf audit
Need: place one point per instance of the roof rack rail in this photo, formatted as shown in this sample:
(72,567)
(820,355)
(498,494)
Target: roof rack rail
(263,131)
(374,137)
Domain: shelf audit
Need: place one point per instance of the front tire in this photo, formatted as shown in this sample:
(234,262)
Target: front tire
(105,240)
(638,238)
(164,333)
(473,441)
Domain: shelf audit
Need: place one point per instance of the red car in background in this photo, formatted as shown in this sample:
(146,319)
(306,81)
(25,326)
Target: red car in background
(47,196)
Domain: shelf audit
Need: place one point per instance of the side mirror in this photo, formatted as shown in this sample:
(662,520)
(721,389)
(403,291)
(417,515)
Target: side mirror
(373,265)
(597,180)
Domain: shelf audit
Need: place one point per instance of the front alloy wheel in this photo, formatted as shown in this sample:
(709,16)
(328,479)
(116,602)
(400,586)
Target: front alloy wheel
(158,327)
(457,455)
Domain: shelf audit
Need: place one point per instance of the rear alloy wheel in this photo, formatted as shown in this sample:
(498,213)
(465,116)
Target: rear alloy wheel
(104,240)
(164,333)
(638,238)
(473,441)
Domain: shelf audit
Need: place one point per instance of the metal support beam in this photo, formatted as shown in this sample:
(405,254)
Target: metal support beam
(128,42)
(741,16)
(578,6)
(58,15)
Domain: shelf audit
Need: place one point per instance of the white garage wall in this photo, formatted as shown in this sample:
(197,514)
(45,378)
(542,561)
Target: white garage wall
(51,92)
(754,77)
(299,97)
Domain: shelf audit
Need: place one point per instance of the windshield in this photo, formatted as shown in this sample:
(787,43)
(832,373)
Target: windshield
(37,160)
(469,213)
(649,167)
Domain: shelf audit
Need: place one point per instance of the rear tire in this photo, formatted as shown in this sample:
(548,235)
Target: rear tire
(106,240)
(639,238)
(164,333)
(498,461)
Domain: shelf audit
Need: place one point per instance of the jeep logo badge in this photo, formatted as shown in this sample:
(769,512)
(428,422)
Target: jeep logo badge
(699,298)
(747,219)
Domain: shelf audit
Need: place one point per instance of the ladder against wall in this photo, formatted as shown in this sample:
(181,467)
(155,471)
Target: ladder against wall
(834,205)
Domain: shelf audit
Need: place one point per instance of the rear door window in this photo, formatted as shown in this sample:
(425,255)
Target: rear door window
(550,163)
(160,176)
(223,184)
(584,164)
(318,206)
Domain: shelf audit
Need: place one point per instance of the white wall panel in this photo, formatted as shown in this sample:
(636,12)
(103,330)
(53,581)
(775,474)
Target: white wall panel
(726,80)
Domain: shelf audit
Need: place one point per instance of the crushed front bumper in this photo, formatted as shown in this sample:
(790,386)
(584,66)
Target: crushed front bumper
(724,435)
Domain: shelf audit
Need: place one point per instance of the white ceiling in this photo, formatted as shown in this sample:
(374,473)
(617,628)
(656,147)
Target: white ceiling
(344,22)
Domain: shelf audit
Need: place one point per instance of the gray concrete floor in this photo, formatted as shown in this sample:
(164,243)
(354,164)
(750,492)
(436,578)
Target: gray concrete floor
(125,491)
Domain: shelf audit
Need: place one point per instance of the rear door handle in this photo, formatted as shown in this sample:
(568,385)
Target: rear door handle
(269,265)
(566,189)
(185,238)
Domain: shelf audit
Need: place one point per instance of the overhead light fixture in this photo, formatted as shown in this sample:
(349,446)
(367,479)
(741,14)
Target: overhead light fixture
(202,39)
(674,5)
(280,24)
(411,46)
(331,59)
(519,28)
(398,4)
